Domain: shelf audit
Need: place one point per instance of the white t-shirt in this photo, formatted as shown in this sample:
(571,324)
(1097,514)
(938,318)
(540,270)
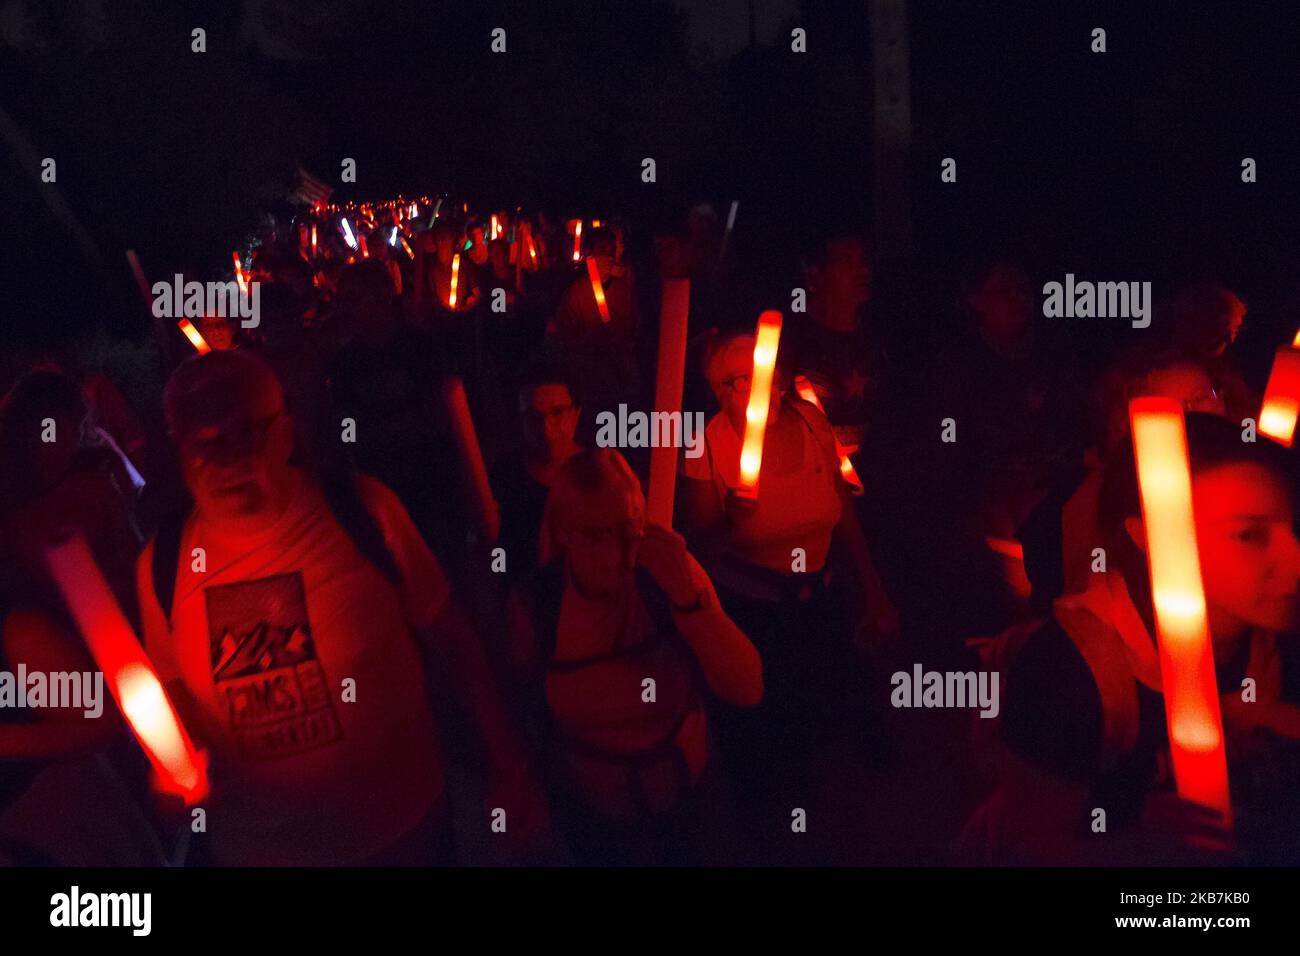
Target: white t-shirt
(795,509)
(264,640)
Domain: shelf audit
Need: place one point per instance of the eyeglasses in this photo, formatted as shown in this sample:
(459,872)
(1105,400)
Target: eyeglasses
(549,414)
(223,444)
(740,383)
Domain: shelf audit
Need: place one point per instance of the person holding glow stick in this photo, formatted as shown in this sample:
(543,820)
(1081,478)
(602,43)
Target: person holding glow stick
(313,582)
(618,600)
(770,559)
(445,262)
(1083,714)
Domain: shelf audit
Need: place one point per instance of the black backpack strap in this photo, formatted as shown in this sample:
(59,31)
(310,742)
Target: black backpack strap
(547,593)
(166,552)
(340,488)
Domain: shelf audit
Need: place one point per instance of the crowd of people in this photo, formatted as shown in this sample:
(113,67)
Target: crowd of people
(390,661)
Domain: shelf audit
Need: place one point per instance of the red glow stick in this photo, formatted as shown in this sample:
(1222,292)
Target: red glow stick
(1186,656)
(313,240)
(1281,406)
(767,338)
(239,274)
(809,394)
(462,425)
(674,307)
(455,277)
(179,767)
(365,252)
(407,246)
(196,338)
(577,241)
(495,228)
(598,290)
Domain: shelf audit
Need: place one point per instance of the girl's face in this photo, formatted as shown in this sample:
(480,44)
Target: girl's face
(1250,557)
(729,376)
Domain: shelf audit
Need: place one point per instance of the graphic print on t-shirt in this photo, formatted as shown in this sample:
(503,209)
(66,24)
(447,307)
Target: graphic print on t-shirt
(264,668)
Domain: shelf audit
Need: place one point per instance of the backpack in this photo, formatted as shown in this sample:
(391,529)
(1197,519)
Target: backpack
(547,595)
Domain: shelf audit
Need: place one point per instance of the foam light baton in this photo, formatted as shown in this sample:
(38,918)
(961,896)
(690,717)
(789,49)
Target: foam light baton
(674,308)
(767,338)
(313,240)
(195,336)
(471,456)
(577,242)
(455,278)
(180,768)
(598,290)
(1186,657)
(1281,407)
(809,394)
(239,275)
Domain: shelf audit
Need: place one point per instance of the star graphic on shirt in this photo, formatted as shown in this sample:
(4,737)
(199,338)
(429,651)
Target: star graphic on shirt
(855,385)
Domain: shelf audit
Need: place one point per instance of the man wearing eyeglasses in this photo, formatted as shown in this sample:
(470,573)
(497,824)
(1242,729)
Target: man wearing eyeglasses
(294,633)
(548,425)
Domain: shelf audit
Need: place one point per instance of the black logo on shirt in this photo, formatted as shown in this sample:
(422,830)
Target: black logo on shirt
(265,669)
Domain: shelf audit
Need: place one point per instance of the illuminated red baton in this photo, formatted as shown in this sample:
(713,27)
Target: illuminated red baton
(313,240)
(577,241)
(455,277)
(462,426)
(809,394)
(1186,657)
(674,308)
(239,274)
(196,338)
(597,289)
(179,767)
(1281,407)
(767,339)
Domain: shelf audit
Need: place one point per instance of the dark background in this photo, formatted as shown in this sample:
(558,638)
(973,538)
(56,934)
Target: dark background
(1123,165)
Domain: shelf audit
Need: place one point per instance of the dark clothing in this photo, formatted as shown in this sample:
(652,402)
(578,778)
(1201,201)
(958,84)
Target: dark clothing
(1052,717)
(392,393)
(522,499)
(844,369)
